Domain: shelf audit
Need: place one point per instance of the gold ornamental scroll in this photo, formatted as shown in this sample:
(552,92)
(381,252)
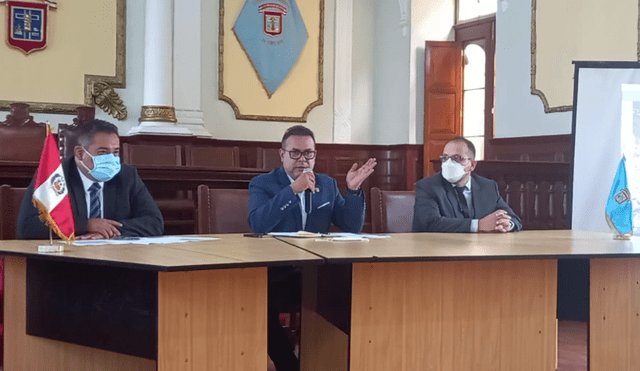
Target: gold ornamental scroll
(86,44)
(239,85)
(563,31)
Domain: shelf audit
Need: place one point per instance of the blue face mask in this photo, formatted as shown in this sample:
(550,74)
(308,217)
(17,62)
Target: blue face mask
(105,167)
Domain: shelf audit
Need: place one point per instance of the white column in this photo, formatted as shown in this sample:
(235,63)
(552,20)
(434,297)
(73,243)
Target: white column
(187,66)
(343,65)
(158,114)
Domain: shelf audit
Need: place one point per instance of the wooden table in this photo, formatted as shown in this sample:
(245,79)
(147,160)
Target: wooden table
(464,302)
(211,302)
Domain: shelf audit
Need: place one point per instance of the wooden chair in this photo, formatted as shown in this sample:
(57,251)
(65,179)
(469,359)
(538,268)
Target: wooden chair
(208,156)
(222,210)
(68,134)
(21,138)
(10,200)
(391,211)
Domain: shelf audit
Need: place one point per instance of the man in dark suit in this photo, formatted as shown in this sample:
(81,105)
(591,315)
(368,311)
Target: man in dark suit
(294,198)
(455,200)
(108,199)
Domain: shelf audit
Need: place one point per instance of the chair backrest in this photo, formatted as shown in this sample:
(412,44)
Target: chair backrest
(208,156)
(21,138)
(151,154)
(391,211)
(10,200)
(68,134)
(223,210)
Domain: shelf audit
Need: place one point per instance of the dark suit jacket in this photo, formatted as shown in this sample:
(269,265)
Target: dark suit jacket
(437,208)
(125,198)
(273,207)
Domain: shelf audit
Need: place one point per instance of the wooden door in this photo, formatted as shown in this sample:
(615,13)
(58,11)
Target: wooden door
(442,98)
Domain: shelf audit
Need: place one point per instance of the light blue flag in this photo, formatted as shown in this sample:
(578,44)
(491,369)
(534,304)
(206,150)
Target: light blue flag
(619,207)
(273,34)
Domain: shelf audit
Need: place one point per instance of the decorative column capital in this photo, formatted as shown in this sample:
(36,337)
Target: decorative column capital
(158,113)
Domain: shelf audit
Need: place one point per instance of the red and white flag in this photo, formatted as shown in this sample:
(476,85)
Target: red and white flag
(51,195)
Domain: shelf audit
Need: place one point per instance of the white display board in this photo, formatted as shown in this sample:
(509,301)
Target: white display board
(606,126)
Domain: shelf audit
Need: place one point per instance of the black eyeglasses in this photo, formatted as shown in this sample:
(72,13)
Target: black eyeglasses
(295,154)
(456,158)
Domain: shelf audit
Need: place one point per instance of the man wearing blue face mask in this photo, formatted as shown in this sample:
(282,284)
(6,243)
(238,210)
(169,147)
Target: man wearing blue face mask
(455,200)
(108,198)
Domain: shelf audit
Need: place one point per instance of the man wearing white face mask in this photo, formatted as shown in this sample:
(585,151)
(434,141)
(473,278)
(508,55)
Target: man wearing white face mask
(108,198)
(455,200)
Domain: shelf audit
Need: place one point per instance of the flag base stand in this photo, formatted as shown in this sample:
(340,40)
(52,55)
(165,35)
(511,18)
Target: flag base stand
(622,236)
(51,248)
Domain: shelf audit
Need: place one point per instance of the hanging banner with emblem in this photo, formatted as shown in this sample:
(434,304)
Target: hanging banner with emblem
(272,34)
(27,25)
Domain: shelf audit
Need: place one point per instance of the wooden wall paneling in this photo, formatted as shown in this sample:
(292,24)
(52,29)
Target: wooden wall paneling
(24,352)
(152,154)
(214,319)
(614,324)
(480,315)
(210,156)
(551,148)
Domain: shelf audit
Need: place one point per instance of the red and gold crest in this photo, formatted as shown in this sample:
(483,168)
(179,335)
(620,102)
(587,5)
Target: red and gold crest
(27,24)
(273,18)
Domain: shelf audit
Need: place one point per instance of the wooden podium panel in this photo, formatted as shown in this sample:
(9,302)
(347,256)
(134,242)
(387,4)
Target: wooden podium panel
(214,319)
(473,315)
(614,325)
(431,315)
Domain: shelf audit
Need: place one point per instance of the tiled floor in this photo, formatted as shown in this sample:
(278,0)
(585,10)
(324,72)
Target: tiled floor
(572,346)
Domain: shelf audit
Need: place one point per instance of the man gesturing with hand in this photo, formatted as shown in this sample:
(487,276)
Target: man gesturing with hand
(455,200)
(294,198)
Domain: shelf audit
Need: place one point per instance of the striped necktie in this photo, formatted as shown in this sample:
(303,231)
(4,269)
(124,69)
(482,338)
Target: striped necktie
(94,197)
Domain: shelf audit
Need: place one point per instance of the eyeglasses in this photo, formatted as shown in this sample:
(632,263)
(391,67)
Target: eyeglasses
(462,160)
(295,155)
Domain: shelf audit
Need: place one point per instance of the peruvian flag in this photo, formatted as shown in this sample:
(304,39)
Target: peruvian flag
(51,195)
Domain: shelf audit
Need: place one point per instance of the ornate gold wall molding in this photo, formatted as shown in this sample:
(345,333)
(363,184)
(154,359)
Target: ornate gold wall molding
(597,55)
(534,90)
(158,113)
(236,109)
(104,84)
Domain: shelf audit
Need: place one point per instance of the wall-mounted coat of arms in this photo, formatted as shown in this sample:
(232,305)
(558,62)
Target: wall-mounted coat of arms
(27,24)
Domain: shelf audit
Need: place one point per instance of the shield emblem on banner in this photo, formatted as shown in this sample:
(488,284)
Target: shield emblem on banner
(272,18)
(27,25)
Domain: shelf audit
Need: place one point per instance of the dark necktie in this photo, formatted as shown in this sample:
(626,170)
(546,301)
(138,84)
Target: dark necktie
(94,198)
(463,201)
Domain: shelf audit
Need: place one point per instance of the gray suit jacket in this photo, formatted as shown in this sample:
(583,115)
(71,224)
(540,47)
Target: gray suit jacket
(437,208)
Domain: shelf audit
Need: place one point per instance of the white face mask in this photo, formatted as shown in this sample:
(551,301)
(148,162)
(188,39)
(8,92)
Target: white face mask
(452,171)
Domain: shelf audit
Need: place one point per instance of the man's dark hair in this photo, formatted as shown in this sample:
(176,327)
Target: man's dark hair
(87,132)
(298,131)
(469,144)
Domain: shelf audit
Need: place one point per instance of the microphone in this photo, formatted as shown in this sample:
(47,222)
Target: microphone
(308,191)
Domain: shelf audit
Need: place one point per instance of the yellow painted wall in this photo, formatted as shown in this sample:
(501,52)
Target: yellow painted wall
(569,30)
(241,83)
(81,40)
